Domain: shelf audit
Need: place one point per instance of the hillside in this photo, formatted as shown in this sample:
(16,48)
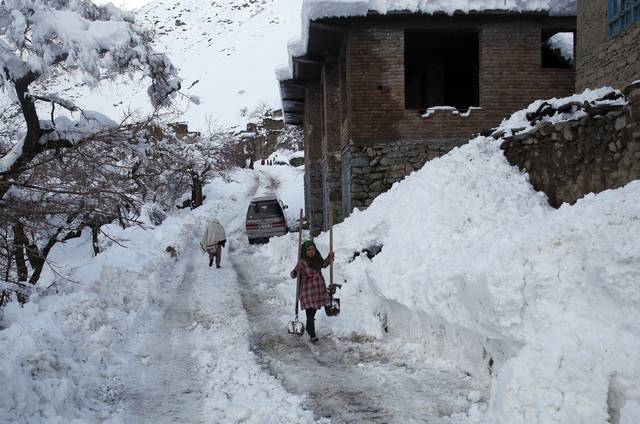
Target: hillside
(226,52)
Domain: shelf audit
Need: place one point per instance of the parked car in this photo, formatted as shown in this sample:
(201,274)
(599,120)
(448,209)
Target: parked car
(265,219)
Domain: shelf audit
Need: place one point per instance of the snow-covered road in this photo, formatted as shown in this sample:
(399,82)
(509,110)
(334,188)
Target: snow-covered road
(228,322)
(344,379)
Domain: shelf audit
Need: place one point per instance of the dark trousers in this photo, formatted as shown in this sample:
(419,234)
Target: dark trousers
(311,326)
(217,256)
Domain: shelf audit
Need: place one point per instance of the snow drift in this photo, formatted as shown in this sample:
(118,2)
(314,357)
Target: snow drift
(477,269)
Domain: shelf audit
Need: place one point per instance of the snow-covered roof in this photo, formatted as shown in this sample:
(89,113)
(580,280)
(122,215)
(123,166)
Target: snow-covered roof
(318,9)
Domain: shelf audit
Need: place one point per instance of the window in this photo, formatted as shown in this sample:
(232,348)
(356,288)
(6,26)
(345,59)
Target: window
(557,49)
(622,13)
(441,69)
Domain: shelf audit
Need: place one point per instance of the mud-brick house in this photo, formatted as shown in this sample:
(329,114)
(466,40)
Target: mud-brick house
(260,138)
(381,91)
(608,43)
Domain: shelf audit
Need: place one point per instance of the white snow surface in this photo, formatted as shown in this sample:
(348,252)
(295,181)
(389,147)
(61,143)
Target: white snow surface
(473,258)
(518,123)
(476,272)
(225,52)
(317,9)
(140,336)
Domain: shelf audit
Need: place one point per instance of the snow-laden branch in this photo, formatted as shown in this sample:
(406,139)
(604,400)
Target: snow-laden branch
(40,36)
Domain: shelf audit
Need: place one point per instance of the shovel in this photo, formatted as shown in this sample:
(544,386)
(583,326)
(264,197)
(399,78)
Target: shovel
(295,326)
(332,308)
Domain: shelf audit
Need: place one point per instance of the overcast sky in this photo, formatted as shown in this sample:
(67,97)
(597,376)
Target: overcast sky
(125,4)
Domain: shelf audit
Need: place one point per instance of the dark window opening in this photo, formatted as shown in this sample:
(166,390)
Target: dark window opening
(441,69)
(558,49)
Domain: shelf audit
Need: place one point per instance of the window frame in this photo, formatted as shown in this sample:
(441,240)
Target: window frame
(621,14)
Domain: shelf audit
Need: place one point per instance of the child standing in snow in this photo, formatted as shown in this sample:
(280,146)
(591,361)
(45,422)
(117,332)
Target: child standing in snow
(313,292)
(213,241)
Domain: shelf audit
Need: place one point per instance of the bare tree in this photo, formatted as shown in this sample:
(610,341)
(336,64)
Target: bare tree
(60,173)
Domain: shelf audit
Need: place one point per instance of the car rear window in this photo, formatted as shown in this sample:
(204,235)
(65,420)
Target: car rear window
(259,210)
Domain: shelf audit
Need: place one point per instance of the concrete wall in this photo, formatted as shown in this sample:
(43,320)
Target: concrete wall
(570,159)
(602,60)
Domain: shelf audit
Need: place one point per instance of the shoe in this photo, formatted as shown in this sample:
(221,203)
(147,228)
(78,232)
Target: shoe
(314,339)
(210,262)
(217,266)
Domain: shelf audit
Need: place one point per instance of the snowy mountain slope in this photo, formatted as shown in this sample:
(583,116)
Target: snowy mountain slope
(226,51)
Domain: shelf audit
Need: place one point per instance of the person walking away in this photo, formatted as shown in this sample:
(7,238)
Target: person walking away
(313,291)
(213,241)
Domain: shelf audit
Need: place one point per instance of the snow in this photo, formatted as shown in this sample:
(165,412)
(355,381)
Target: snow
(518,123)
(474,259)
(317,9)
(484,305)
(287,183)
(225,52)
(82,355)
(475,267)
(7,161)
(435,109)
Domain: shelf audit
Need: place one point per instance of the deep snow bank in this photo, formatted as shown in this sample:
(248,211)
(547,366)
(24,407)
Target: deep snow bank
(63,357)
(473,259)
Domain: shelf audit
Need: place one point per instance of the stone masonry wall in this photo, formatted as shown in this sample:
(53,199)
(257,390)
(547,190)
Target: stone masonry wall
(332,189)
(331,177)
(313,196)
(602,60)
(570,159)
(376,167)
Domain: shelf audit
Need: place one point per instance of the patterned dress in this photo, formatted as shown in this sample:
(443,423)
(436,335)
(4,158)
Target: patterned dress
(313,292)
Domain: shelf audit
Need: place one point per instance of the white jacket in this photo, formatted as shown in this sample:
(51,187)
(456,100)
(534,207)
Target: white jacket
(213,234)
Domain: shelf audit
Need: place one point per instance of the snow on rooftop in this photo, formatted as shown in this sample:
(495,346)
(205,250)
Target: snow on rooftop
(317,9)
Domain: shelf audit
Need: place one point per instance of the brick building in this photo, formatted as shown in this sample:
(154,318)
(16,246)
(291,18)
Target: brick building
(608,43)
(379,95)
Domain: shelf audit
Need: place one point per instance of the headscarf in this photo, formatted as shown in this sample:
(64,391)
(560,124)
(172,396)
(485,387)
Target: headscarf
(314,262)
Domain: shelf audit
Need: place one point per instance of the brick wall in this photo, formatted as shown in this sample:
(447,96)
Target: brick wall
(313,155)
(511,77)
(602,60)
(601,151)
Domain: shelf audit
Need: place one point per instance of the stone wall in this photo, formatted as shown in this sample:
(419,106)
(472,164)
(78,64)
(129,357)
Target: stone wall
(313,196)
(375,167)
(570,159)
(332,189)
(602,60)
